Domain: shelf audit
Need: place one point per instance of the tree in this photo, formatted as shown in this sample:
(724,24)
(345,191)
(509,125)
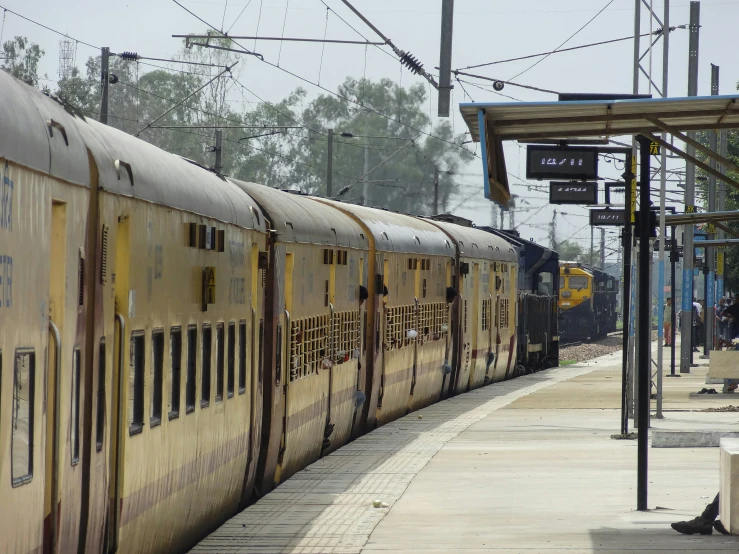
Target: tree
(21,58)
(401,161)
(571,252)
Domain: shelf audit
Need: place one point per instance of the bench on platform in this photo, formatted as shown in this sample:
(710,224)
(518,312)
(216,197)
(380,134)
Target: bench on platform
(729,484)
(723,364)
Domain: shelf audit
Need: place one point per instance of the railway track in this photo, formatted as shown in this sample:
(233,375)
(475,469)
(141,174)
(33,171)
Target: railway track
(578,343)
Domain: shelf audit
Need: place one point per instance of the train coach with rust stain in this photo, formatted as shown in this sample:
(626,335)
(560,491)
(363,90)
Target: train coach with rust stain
(174,344)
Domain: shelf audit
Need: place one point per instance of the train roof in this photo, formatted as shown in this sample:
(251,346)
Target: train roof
(534,256)
(475,243)
(395,232)
(38,133)
(131,167)
(298,218)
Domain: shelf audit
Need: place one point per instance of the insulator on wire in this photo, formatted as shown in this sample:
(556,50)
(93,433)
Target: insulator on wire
(411,62)
(130,56)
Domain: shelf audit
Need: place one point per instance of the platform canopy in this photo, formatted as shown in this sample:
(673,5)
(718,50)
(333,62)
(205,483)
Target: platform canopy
(594,120)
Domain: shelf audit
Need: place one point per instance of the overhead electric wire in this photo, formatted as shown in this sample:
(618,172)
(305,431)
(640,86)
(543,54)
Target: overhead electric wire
(559,51)
(238,17)
(49,28)
(308,81)
(565,42)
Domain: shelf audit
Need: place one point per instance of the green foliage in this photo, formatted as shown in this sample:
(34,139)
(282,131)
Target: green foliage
(21,58)
(401,162)
(570,251)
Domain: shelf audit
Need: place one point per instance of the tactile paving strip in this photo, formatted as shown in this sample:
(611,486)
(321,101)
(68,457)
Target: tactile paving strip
(328,507)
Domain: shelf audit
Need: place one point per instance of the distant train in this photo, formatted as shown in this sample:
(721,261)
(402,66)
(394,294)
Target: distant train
(587,302)
(173,343)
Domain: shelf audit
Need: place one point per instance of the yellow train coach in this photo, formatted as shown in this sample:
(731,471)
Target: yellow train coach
(174,343)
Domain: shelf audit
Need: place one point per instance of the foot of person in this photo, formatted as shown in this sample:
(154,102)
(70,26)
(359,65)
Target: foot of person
(698,525)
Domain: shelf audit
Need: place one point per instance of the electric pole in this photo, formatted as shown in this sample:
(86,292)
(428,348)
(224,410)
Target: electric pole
(104,82)
(330,163)
(686,322)
(602,249)
(219,160)
(445,61)
(436,190)
(553,231)
(592,243)
(710,261)
(365,185)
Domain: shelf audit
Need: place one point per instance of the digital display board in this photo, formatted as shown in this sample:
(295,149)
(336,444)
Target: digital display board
(572,192)
(608,217)
(565,162)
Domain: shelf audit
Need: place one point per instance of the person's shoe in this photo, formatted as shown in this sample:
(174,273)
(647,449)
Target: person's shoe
(697,525)
(720,527)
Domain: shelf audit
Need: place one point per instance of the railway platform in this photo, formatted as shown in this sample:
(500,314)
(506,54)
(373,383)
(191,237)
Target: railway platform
(526,466)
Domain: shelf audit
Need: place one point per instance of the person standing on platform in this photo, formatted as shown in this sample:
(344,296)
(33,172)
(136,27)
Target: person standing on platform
(667,319)
(696,323)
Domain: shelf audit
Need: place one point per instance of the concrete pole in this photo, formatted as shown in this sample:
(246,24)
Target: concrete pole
(721,207)
(436,190)
(365,184)
(602,249)
(104,82)
(218,167)
(686,344)
(330,164)
(710,261)
(662,201)
(592,244)
(445,57)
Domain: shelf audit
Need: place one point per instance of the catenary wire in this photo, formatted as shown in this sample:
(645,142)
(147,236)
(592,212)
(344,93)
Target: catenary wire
(565,42)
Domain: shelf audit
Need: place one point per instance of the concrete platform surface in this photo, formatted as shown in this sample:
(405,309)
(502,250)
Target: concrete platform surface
(522,466)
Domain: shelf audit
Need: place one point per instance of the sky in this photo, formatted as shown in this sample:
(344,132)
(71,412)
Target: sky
(484,31)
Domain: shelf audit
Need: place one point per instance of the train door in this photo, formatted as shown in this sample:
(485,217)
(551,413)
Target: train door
(57,282)
(382,316)
(284,375)
(362,357)
(474,316)
(118,415)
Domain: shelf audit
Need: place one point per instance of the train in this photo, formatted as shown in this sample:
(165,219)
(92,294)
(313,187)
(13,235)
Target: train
(587,302)
(175,343)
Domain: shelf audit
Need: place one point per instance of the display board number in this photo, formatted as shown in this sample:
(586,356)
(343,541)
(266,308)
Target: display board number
(654,148)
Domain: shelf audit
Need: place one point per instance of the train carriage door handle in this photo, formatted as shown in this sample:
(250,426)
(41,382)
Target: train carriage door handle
(127,166)
(51,124)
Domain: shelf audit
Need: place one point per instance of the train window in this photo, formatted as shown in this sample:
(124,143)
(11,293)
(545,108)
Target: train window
(465,316)
(578,282)
(545,284)
(219,362)
(205,362)
(231,358)
(157,350)
(424,288)
(75,410)
(24,375)
(610,285)
(326,295)
(136,384)
(562,282)
(175,356)
(242,356)
(100,423)
(192,349)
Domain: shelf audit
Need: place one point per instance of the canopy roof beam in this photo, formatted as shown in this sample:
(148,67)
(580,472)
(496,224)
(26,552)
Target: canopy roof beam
(692,159)
(695,144)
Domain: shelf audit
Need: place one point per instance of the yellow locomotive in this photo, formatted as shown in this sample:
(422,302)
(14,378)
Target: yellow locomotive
(174,343)
(587,302)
